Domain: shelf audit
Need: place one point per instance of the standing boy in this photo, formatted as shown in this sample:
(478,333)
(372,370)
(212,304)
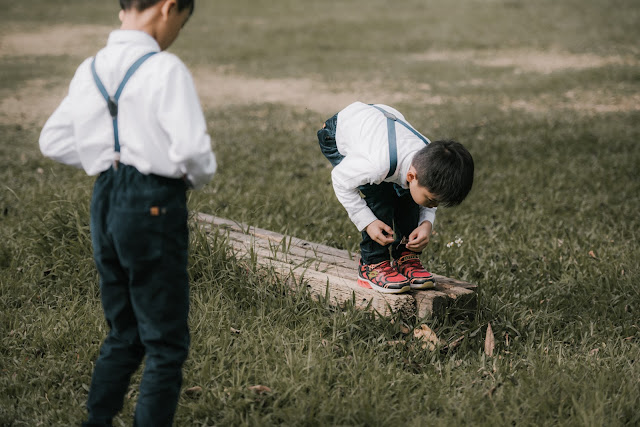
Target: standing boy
(385,172)
(132,116)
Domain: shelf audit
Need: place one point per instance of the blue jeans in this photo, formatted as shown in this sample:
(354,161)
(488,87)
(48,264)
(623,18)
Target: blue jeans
(389,202)
(140,241)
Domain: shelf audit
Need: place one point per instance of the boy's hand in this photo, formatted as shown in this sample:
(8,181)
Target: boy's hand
(419,238)
(380,232)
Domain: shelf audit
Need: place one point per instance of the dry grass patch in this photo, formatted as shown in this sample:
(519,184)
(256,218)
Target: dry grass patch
(218,89)
(527,60)
(77,40)
(584,101)
(31,103)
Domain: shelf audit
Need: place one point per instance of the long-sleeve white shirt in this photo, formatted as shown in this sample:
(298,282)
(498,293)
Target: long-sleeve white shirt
(161,126)
(361,136)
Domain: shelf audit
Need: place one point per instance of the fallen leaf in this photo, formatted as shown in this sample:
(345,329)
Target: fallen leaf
(193,391)
(235,331)
(404,329)
(489,341)
(260,389)
(592,254)
(424,333)
(594,351)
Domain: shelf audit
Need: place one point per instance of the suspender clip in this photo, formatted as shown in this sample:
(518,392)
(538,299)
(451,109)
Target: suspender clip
(116,160)
(112,104)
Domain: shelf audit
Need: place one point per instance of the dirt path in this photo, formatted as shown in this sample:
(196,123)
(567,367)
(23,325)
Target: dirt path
(35,100)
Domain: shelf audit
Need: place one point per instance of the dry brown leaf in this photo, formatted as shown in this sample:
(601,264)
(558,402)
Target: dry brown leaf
(193,391)
(260,389)
(235,331)
(424,333)
(489,341)
(592,254)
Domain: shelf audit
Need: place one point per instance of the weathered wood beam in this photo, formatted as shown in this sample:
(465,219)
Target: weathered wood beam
(334,271)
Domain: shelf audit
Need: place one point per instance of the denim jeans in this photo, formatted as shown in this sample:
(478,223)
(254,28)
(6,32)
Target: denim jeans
(389,202)
(140,240)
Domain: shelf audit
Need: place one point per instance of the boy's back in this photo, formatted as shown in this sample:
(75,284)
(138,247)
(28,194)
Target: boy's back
(147,141)
(161,126)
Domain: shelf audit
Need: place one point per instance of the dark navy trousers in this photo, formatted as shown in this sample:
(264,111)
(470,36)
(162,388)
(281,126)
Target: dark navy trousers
(140,242)
(389,202)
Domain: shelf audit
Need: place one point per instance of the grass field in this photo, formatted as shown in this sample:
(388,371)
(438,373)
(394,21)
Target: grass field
(546,96)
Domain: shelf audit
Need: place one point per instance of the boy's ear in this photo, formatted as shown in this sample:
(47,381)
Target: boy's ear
(167,7)
(121,15)
(411,175)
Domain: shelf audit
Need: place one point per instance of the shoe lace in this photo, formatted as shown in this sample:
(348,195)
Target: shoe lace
(411,259)
(384,267)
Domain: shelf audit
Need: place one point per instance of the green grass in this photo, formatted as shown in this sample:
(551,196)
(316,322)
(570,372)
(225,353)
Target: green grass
(550,229)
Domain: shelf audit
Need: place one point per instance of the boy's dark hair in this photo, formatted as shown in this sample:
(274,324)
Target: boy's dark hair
(145,4)
(445,168)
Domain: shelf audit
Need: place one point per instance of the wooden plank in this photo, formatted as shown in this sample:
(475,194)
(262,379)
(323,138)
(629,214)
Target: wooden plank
(334,271)
(270,235)
(341,289)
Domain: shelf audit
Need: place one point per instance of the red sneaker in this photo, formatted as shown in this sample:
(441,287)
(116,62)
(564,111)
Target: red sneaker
(409,265)
(383,278)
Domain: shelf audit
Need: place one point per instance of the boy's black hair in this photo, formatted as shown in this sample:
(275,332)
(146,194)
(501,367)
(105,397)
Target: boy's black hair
(145,4)
(445,168)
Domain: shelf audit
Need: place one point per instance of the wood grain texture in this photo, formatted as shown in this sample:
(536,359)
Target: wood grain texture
(330,272)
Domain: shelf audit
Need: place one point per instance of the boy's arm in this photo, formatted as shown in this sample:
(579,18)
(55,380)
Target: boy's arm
(350,174)
(181,117)
(57,140)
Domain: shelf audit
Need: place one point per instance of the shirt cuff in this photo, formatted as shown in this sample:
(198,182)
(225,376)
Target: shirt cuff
(427,214)
(363,218)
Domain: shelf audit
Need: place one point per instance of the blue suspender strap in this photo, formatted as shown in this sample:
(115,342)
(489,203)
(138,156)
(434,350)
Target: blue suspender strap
(112,101)
(391,134)
(130,72)
(415,132)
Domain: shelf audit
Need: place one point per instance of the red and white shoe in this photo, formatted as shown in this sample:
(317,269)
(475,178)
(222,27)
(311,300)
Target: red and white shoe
(409,265)
(383,278)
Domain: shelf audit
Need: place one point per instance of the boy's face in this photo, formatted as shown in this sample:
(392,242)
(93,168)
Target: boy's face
(172,22)
(421,195)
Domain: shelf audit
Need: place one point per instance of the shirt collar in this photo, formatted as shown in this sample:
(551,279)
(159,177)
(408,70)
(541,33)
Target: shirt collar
(403,170)
(133,37)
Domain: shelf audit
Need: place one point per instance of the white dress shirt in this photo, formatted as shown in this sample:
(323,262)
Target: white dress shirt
(361,136)
(161,126)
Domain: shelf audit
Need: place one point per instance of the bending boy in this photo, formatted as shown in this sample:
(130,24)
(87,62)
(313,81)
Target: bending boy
(132,117)
(387,173)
